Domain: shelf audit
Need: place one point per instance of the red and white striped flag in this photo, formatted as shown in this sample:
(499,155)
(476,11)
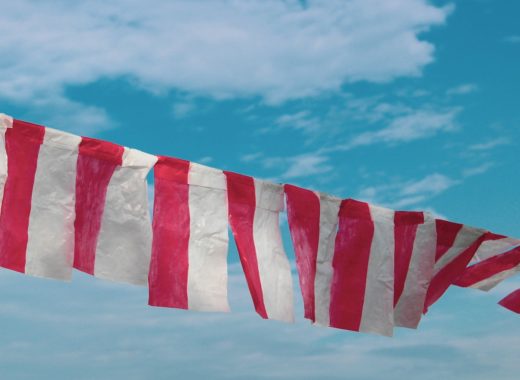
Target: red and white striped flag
(512,301)
(313,222)
(415,242)
(37,216)
(456,246)
(190,237)
(254,208)
(113,234)
(362,289)
(496,260)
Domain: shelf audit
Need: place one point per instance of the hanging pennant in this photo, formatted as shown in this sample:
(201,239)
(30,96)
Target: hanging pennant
(190,237)
(37,216)
(362,289)
(415,239)
(456,246)
(313,221)
(113,234)
(254,208)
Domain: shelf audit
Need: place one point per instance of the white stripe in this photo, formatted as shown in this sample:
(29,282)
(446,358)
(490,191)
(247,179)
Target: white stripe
(378,307)
(273,265)
(329,208)
(50,246)
(409,308)
(125,239)
(5,122)
(492,248)
(208,244)
(490,282)
(465,238)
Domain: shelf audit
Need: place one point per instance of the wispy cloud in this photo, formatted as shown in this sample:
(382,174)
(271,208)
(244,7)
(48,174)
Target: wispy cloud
(306,165)
(512,39)
(490,144)
(418,124)
(463,89)
(299,166)
(408,193)
(476,170)
(300,121)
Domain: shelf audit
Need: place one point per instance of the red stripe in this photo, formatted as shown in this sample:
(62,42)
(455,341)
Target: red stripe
(97,161)
(303,214)
(446,234)
(512,302)
(168,277)
(490,267)
(405,230)
(350,263)
(241,210)
(450,273)
(22,145)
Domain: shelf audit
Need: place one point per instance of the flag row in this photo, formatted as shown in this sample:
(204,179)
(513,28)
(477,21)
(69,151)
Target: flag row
(76,202)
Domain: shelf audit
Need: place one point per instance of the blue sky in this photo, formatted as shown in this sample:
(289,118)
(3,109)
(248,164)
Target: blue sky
(406,103)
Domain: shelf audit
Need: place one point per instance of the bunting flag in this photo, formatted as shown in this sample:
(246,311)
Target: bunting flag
(190,237)
(493,245)
(76,202)
(253,208)
(313,221)
(486,274)
(113,234)
(362,289)
(455,248)
(415,241)
(512,302)
(37,216)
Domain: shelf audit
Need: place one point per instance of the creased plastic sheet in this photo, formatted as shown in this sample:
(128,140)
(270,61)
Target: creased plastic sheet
(488,273)
(254,208)
(313,221)
(415,242)
(455,247)
(125,239)
(36,222)
(190,243)
(50,248)
(362,291)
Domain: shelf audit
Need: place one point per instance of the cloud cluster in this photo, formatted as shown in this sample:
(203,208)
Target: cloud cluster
(275,50)
(111,325)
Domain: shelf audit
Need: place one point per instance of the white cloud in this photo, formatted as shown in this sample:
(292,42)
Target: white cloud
(480,169)
(299,166)
(205,160)
(513,39)
(414,125)
(306,165)
(401,194)
(251,157)
(463,89)
(111,325)
(491,144)
(276,50)
(300,121)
